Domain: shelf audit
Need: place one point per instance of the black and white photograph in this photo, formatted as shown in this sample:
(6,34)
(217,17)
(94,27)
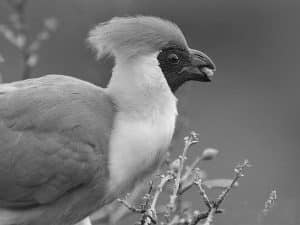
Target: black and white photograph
(147,112)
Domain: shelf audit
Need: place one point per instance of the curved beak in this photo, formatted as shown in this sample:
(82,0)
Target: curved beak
(202,68)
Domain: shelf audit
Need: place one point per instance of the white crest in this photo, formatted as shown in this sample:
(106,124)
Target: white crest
(131,36)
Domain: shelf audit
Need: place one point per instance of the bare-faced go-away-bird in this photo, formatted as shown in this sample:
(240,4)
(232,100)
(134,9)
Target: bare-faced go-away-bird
(68,147)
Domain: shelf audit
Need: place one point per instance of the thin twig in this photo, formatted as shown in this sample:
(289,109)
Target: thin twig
(150,216)
(189,141)
(210,216)
(203,194)
(239,169)
(202,215)
(159,189)
(190,168)
(185,187)
(130,207)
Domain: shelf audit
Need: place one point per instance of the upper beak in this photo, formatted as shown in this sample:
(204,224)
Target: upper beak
(202,68)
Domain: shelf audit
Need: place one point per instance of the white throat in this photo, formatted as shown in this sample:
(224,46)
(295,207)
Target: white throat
(145,121)
(138,85)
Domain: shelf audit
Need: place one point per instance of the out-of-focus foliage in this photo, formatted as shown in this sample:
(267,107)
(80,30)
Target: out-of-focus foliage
(17,33)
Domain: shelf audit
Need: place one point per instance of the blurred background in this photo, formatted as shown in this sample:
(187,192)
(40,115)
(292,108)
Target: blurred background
(250,110)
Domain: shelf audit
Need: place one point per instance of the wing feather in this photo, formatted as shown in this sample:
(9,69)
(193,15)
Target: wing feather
(54,134)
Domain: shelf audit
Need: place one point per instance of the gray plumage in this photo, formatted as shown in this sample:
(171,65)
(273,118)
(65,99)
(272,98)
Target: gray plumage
(68,147)
(54,133)
(135,35)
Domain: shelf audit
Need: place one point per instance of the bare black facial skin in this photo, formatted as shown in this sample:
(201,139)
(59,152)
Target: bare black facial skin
(181,65)
(172,61)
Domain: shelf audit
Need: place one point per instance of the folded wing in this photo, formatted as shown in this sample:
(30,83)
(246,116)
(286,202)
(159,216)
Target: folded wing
(54,134)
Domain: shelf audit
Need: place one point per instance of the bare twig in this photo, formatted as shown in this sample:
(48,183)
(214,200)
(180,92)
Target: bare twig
(269,204)
(150,216)
(130,207)
(198,216)
(190,168)
(188,142)
(163,181)
(148,210)
(185,182)
(175,215)
(203,194)
(239,169)
(213,207)
(210,216)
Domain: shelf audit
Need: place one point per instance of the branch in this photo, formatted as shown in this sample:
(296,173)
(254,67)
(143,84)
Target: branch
(163,181)
(130,207)
(185,182)
(239,169)
(188,142)
(203,194)
(213,207)
(150,215)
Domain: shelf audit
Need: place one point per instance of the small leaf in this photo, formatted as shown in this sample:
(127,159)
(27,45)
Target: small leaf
(218,183)
(20,41)
(209,154)
(32,60)
(51,23)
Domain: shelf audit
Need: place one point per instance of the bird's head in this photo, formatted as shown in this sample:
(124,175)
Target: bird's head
(130,37)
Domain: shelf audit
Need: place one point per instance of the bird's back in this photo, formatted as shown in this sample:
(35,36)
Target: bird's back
(54,133)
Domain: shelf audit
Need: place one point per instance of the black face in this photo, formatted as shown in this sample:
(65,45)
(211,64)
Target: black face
(181,65)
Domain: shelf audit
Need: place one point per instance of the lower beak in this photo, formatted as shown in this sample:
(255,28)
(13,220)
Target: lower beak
(201,68)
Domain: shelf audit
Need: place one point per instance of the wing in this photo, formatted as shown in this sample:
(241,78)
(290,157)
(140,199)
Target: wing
(54,133)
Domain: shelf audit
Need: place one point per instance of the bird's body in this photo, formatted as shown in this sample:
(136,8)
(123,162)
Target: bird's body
(68,147)
(56,136)
(50,145)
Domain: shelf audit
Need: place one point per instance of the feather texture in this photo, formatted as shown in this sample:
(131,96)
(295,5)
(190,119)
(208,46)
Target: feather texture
(54,134)
(145,120)
(132,36)
(68,147)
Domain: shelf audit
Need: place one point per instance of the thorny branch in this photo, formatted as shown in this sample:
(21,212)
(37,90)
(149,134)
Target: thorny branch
(148,210)
(188,142)
(176,174)
(213,206)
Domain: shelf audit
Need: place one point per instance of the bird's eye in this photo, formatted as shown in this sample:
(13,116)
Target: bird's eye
(173,58)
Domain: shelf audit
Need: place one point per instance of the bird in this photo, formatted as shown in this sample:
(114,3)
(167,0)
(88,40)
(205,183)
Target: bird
(69,147)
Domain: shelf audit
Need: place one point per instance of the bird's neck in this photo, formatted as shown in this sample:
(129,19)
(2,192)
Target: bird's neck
(144,122)
(138,87)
